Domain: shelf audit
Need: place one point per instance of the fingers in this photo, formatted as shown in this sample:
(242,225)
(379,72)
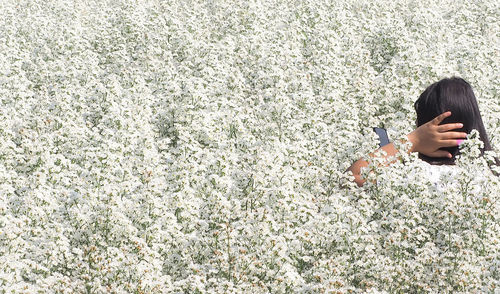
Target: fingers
(440,153)
(449,127)
(438,119)
(453,135)
(450,143)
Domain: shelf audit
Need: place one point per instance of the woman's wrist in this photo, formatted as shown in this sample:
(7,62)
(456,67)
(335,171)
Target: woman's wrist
(413,140)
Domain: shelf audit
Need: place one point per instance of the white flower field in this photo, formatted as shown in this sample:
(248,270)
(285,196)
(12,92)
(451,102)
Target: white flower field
(151,146)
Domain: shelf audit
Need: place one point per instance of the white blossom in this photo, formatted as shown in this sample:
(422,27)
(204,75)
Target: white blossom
(201,147)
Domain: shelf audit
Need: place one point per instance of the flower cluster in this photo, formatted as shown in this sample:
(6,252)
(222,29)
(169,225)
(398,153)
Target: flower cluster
(201,147)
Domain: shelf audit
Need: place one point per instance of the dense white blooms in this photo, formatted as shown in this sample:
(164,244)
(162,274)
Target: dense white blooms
(201,147)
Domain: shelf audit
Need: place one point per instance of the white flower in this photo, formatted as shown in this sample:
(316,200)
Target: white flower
(168,148)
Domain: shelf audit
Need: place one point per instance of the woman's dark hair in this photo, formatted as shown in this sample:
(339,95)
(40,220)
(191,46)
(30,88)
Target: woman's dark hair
(455,95)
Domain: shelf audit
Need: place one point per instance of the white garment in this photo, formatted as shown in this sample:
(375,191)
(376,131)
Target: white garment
(439,175)
(449,176)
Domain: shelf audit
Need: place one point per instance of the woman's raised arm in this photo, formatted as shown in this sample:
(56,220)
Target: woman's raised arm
(426,139)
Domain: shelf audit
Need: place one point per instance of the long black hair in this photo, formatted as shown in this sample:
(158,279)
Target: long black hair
(455,95)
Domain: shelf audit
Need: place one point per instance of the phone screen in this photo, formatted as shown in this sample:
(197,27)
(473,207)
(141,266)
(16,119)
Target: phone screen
(382,134)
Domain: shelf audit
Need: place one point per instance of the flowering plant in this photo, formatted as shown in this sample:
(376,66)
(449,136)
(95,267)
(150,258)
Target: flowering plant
(174,147)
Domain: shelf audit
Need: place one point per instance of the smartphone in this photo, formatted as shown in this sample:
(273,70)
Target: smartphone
(382,135)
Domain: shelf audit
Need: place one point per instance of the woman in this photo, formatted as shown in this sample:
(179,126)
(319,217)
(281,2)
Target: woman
(446,112)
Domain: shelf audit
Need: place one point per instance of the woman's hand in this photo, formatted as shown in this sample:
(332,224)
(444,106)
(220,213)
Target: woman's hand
(429,137)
